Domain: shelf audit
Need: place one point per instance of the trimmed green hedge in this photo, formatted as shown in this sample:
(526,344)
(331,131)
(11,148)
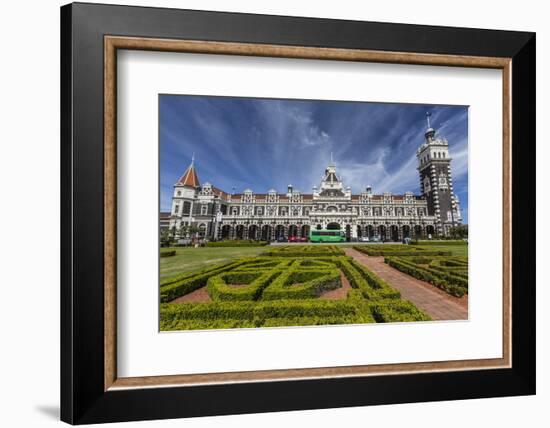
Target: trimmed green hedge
(219,287)
(452,284)
(192,316)
(187,284)
(296,284)
(371,286)
(439,242)
(167,253)
(398,250)
(397,311)
(304,251)
(237,243)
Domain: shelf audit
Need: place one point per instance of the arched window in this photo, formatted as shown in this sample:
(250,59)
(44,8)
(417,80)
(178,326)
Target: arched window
(178,193)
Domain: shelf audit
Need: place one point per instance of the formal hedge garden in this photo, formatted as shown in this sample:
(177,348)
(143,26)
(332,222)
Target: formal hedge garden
(399,250)
(282,290)
(449,273)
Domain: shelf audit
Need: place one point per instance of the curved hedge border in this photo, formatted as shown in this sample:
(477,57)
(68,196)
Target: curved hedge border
(167,253)
(398,250)
(257,281)
(301,284)
(180,287)
(452,284)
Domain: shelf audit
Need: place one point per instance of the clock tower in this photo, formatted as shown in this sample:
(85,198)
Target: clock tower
(436,183)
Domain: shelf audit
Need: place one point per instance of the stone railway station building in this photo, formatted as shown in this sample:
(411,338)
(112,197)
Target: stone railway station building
(268,216)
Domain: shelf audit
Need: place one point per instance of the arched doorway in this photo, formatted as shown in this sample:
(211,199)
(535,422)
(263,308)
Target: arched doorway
(430,231)
(348,232)
(406,231)
(359,231)
(252,232)
(333,226)
(417,231)
(292,230)
(239,231)
(305,230)
(370,231)
(382,232)
(266,233)
(279,231)
(226,230)
(394,233)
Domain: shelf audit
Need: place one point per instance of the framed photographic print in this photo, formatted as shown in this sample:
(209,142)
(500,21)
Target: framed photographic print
(265,213)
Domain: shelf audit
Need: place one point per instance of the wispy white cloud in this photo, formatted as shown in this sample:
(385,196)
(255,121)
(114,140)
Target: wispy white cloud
(260,143)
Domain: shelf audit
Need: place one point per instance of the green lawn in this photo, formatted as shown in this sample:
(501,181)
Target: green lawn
(189,259)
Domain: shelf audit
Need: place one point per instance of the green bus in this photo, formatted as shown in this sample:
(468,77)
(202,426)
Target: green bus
(327,236)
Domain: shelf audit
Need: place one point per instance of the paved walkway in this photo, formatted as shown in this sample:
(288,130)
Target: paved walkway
(200,295)
(435,302)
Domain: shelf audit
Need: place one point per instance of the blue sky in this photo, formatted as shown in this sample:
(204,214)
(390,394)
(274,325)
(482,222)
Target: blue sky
(270,143)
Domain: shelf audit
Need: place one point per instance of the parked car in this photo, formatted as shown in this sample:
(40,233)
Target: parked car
(364,239)
(282,239)
(375,239)
(303,239)
(292,239)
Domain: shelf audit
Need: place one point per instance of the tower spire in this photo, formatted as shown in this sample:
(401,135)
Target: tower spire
(190,177)
(430,132)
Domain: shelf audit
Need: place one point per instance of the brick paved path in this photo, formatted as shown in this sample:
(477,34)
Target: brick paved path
(435,302)
(200,295)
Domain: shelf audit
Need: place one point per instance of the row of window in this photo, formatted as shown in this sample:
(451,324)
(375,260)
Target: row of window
(437,155)
(283,211)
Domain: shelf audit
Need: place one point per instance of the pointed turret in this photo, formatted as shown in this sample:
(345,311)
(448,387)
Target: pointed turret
(190,177)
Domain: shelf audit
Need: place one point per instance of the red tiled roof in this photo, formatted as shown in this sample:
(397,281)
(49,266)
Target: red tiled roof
(189,177)
(219,192)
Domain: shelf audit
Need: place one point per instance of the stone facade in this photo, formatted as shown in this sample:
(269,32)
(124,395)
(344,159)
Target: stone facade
(268,216)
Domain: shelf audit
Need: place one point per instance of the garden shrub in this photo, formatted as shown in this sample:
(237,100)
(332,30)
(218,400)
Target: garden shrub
(295,284)
(304,251)
(452,284)
(184,286)
(219,289)
(398,250)
(167,253)
(393,310)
